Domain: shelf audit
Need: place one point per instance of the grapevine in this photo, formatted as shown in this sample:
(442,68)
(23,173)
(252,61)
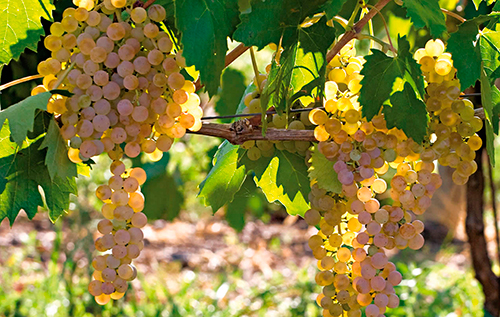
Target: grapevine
(365,129)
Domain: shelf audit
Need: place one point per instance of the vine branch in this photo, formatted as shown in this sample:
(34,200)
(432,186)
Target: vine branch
(249,132)
(148,3)
(235,136)
(493,194)
(356,29)
(453,14)
(19,81)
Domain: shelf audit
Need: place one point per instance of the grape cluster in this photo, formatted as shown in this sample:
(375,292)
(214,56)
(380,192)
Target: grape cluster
(355,227)
(453,122)
(125,79)
(259,148)
(122,210)
(128,96)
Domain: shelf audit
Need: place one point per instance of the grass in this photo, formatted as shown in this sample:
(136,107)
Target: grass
(40,280)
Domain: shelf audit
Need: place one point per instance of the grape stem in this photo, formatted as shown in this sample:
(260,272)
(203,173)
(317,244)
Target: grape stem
(19,81)
(453,14)
(255,70)
(385,27)
(356,29)
(148,3)
(66,72)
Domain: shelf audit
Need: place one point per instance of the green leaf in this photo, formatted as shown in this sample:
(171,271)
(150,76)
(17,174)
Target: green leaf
(232,90)
(283,178)
(166,186)
(16,193)
(20,26)
(333,7)
(380,74)
(495,100)
(463,45)
(205,26)
(286,180)
(426,13)
(407,113)
(224,179)
(272,20)
(57,192)
(490,52)
(301,64)
(22,114)
(321,170)
(487,102)
(57,160)
(22,171)
(476,3)
(236,210)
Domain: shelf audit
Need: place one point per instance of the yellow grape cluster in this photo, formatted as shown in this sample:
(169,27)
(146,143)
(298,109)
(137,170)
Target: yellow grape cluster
(453,122)
(122,238)
(125,79)
(120,64)
(259,148)
(355,229)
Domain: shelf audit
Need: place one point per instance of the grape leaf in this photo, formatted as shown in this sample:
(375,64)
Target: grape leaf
(57,191)
(231,92)
(495,100)
(464,44)
(21,115)
(236,210)
(321,170)
(15,193)
(487,102)
(301,64)
(407,113)
(205,26)
(57,160)
(274,21)
(235,213)
(333,7)
(426,13)
(381,72)
(166,186)
(282,177)
(23,170)
(20,26)
(224,179)
(285,180)
(490,52)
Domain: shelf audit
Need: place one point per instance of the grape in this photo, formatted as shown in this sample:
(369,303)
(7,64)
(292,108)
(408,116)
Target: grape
(165,44)
(113,61)
(105,226)
(122,237)
(108,275)
(132,149)
(157,13)
(151,30)
(131,184)
(111,91)
(139,220)
(115,31)
(95,288)
(138,15)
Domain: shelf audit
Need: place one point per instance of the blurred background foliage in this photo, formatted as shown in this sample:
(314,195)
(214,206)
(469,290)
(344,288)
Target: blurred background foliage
(249,259)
